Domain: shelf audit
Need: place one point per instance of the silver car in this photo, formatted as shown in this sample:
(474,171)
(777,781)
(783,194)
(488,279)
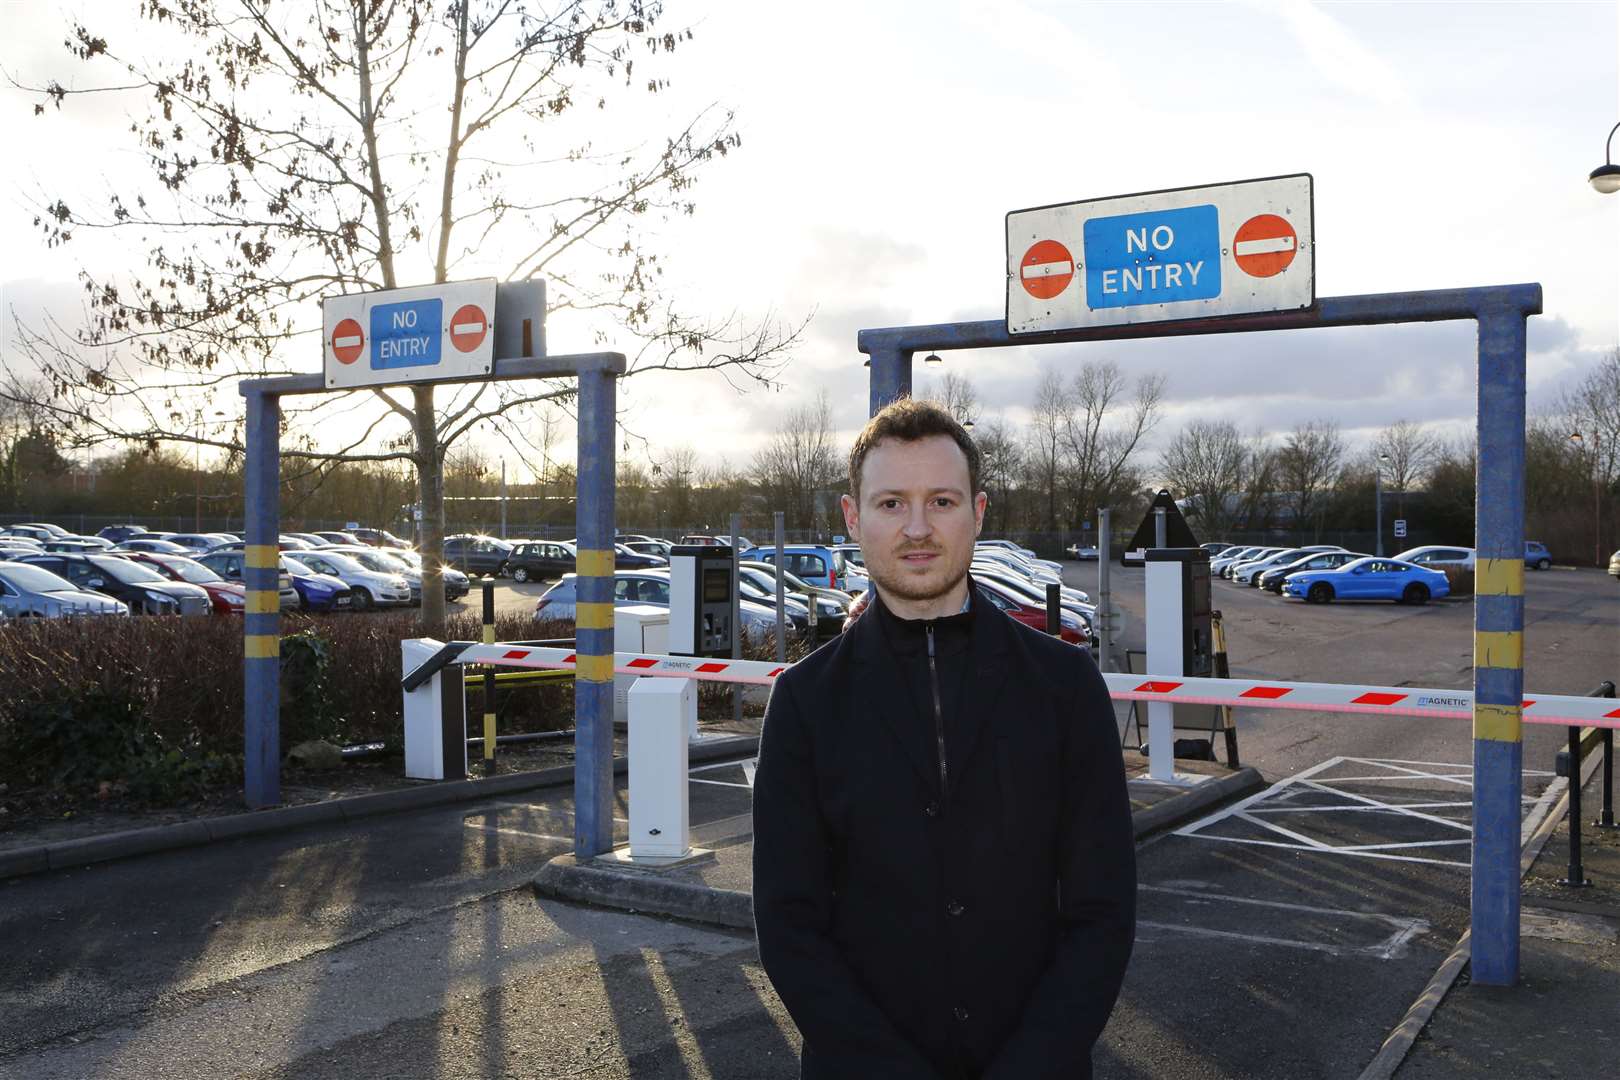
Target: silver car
(34,591)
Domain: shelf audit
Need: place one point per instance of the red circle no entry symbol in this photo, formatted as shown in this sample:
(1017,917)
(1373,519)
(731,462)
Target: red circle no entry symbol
(1265,245)
(1046,270)
(348,341)
(468,327)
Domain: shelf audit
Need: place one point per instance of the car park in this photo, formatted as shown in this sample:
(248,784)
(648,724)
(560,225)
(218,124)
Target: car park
(393,561)
(1370,578)
(1536,555)
(144,590)
(378,538)
(226,597)
(117,534)
(317,591)
(162,547)
(1272,580)
(228,564)
(1438,555)
(35,592)
(474,553)
(651,587)
(336,537)
(368,587)
(76,544)
(815,564)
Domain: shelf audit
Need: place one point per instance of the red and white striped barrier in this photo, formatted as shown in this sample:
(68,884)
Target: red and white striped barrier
(1554,709)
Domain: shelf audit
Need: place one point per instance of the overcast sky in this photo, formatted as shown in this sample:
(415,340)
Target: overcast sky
(883,143)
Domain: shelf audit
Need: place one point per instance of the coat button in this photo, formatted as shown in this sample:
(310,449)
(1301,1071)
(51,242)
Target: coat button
(932,809)
(953,908)
(961,1013)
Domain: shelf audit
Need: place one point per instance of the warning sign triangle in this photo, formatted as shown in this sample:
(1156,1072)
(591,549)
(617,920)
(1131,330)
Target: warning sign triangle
(1177,533)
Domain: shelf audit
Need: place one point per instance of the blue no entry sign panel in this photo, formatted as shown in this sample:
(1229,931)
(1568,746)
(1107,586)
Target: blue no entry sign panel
(425,333)
(1159,257)
(408,334)
(1181,253)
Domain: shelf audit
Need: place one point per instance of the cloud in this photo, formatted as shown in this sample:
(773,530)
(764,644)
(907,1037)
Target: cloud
(1336,53)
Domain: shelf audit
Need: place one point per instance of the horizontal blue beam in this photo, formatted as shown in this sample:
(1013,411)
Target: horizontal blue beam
(1436,305)
(529,367)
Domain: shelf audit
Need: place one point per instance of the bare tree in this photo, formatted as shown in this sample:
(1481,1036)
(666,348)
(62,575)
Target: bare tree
(335,146)
(1259,481)
(1043,453)
(797,462)
(1205,463)
(1001,463)
(1307,465)
(1592,407)
(1097,442)
(957,395)
(1405,452)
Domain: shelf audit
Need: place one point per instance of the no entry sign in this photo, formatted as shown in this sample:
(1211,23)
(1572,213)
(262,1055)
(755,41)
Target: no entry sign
(422,334)
(1265,245)
(1181,253)
(1046,270)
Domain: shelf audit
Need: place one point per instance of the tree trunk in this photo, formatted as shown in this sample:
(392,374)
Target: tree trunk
(430,498)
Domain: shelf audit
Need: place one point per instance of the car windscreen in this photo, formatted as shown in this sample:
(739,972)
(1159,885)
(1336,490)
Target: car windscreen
(373,560)
(126,572)
(34,579)
(348,564)
(194,572)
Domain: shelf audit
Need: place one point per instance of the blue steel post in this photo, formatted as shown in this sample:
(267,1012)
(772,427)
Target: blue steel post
(261,620)
(891,377)
(593,618)
(1498,646)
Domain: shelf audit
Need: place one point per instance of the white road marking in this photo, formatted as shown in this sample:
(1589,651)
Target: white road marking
(1405,929)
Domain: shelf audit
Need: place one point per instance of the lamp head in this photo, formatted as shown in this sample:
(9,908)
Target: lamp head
(1605,179)
(932,358)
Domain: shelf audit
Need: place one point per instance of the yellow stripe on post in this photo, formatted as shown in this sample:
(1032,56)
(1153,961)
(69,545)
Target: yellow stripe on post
(489,736)
(262,556)
(261,602)
(1499,648)
(594,562)
(593,615)
(1499,723)
(489,634)
(1499,577)
(594,668)
(261,646)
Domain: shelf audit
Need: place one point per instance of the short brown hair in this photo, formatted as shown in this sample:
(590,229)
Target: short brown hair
(910,420)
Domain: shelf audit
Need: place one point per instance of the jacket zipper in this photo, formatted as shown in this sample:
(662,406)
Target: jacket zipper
(939,716)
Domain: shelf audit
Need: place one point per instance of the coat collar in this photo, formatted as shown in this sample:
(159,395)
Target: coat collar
(878,686)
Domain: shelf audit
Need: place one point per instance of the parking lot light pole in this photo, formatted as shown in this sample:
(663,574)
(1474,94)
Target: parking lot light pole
(1378,499)
(1597,500)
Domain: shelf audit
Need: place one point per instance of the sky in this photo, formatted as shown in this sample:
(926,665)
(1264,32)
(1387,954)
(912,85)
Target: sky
(885,141)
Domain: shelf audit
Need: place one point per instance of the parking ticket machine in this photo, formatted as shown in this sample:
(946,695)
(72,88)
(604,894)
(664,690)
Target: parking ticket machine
(701,584)
(1179,608)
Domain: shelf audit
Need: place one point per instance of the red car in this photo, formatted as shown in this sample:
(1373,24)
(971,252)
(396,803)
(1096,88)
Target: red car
(227,597)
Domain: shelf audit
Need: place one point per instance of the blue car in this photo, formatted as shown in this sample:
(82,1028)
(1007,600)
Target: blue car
(1536,555)
(317,592)
(1368,579)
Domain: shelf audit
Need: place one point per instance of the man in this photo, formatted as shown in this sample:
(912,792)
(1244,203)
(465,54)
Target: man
(944,874)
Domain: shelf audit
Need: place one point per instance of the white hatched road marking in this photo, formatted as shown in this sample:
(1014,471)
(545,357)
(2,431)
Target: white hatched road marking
(1253,813)
(1405,929)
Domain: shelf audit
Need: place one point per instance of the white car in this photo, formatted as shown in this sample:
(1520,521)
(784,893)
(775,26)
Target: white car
(651,586)
(1248,573)
(1438,555)
(367,587)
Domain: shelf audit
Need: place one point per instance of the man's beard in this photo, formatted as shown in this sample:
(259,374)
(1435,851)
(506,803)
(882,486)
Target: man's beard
(919,589)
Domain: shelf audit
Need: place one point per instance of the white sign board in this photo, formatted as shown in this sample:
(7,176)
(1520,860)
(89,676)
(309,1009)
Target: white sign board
(1186,253)
(1400,528)
(422,334)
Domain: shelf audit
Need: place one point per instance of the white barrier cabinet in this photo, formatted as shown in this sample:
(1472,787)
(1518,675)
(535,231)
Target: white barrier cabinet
(660,712)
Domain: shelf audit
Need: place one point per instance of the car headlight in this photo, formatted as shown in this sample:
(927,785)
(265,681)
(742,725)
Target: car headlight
(233,599)
(160,600)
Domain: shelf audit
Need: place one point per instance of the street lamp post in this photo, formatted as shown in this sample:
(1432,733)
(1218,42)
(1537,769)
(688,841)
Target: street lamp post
(1605,179)
(1597,500)
(1378,498)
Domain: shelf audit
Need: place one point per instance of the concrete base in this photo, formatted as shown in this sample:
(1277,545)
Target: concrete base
(621,859)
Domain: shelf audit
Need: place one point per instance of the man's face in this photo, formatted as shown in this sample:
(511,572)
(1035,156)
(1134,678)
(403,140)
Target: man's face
(916,521)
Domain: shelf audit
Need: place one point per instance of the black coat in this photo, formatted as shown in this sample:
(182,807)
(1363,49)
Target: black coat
(985,935)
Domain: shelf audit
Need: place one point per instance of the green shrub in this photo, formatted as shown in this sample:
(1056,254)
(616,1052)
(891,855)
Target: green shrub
(1461,579)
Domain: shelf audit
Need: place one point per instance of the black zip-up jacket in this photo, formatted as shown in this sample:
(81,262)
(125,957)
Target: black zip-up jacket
(944,886)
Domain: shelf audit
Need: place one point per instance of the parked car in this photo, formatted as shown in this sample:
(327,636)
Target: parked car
(456,584)
(393,561)
(54,530)
(1006,545)
(379,538)
(832,605)
(199,541)
(1536,555)
(76,543)
(540,560)
(1218,547)
(367,587)
(1033,594)
(699,540)
(162,547)
(226,597)
(1614,565)
(317,591)
(29,532)
(336,537)
(143,589)
(1083,552)
(1071,627)
(652,587)
(1438,555)
(474,553)
(661,548)
(1248,573)
(1219,565)
(1272,580)
(117,534)
(34,592)
(17,545)
(1036,585)
(815,564)
(228,564)
(311,539)
(1369,579)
